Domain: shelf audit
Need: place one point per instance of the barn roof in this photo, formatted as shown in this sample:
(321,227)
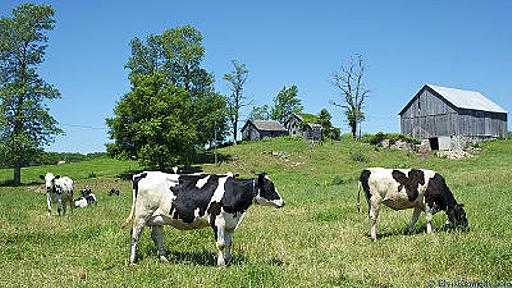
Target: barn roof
(267,125)
(463,99)
(467,99)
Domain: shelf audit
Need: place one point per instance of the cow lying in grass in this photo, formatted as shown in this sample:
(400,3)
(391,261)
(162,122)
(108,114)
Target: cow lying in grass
(422,190)
(60,190)
(193,202)
(87,199)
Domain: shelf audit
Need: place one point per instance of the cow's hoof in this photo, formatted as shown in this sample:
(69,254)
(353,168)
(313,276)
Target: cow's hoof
(163,259)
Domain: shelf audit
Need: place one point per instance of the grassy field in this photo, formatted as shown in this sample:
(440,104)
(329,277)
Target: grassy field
(318,240)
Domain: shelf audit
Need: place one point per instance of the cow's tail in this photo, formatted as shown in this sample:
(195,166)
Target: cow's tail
(135,180)
(132,211)
(358,203)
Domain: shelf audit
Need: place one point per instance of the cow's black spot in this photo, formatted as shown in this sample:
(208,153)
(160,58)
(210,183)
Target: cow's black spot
(189,197)
(213,211)
(239,195)
(438,193)
(411,182)
(365,175)
(136,180)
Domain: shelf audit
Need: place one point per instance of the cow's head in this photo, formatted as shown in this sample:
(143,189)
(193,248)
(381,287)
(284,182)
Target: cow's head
(49,179)
(86,192)
(457,216)
(267,193)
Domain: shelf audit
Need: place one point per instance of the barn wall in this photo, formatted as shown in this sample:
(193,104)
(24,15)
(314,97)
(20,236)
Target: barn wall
(250,133)
(482,124)
(428,116)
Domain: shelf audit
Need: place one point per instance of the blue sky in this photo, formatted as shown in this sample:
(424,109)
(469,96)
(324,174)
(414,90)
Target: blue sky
(461,44)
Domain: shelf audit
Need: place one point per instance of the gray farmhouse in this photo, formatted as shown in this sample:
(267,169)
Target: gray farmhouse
(259,129)
(448,112)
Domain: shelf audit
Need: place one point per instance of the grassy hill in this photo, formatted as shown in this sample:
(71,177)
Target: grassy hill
(318,240)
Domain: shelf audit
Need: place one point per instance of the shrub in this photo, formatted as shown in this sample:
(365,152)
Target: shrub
(91,175)
(358,156)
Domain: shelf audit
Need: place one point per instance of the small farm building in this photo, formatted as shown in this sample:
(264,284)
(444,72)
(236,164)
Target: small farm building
(436,112)
(260,129)
(296,126)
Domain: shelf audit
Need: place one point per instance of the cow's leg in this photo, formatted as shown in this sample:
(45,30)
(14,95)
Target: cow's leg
(374,213)
(64,202)
(59,205)
(228,236)
(415,216)
(157,233)
(49,202)
(136,232)
(219,230)
(428,217)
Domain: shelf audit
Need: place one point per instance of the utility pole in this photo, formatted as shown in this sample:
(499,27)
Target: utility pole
(215,141)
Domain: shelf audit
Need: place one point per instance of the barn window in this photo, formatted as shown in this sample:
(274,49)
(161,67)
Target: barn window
(419,104)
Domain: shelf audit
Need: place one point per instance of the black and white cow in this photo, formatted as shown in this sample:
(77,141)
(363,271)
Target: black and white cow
(422,190)
(60,190)
(193,202)
(87,199)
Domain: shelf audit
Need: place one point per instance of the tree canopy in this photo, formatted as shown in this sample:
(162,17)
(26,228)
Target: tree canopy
(26,125)
(172,108)
(284,105)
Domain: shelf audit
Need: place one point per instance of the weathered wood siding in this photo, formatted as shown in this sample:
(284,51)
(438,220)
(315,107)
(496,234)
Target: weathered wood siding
(429,115)
(251,133)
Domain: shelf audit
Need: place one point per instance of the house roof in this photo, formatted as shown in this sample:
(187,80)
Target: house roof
(464,99)
(267,125)
(314,125)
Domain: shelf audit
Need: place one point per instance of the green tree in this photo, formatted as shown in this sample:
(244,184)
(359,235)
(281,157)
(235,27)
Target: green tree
(152,123)
(25,123)
(172,108)
(260,113)
(350,84)
(237,100)
(329,131)
(285,104)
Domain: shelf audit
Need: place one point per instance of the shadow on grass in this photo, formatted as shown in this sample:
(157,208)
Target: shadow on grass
(204,258)
(447,228)
(10,183)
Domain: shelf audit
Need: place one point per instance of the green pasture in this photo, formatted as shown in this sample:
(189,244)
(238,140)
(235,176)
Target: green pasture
(317,240)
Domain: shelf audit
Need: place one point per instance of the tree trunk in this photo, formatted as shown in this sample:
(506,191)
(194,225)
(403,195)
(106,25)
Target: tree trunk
(17,173)
(353,125)
(235,132)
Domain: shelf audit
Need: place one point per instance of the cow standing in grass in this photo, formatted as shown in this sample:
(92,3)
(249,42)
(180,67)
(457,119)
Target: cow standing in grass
(193,202)
(60,190)
(422,190)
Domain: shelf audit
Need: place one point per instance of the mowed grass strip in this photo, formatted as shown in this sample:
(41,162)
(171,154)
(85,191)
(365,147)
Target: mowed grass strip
(317,240)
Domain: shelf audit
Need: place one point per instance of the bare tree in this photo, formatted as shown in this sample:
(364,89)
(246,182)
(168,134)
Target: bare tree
(236,80)
(350,84)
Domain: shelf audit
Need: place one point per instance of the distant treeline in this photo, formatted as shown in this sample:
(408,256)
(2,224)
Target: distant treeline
(51,158)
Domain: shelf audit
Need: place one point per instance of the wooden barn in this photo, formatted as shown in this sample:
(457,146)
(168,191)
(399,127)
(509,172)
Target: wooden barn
(448,112)
(255,130)
(296,127)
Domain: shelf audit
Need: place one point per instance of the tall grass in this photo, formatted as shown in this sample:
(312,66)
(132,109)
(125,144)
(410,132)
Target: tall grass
(317,240)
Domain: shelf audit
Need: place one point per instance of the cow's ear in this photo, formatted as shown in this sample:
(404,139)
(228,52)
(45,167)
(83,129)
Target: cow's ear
(57,177)
(42,177)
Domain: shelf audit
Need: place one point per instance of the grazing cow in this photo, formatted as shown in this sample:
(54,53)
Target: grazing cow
(60,190)
(87,198)
(423,190)
(193,202)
